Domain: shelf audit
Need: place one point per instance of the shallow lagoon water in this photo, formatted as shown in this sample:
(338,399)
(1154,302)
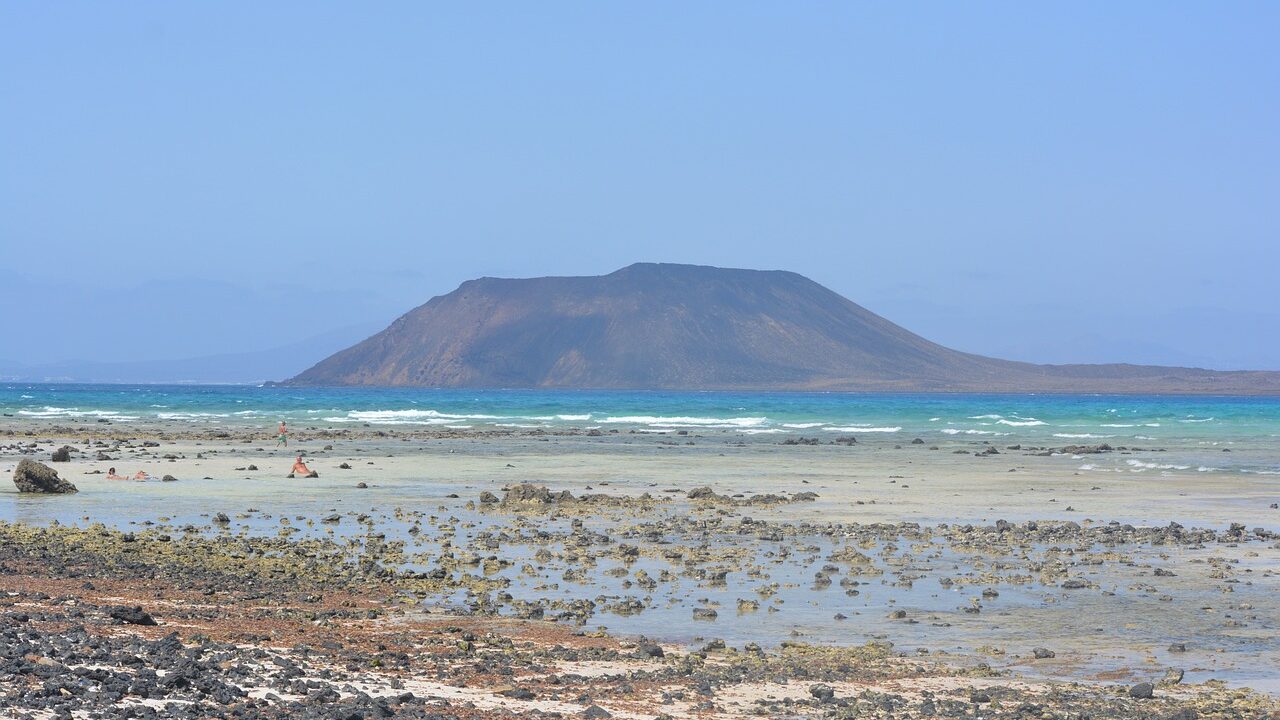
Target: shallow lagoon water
(737,448)
(1092,632)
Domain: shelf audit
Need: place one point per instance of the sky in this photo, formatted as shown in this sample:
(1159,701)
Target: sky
(1053,182)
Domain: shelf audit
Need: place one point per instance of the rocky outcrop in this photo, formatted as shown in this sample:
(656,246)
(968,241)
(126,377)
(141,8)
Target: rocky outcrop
(527,493)
(706,494)
(33,477)
(130,615)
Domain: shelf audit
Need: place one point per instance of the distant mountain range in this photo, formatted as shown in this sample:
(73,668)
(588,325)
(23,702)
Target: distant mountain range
(666,326)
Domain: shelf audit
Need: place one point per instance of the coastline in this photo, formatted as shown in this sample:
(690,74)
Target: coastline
(928,530)
(1067,388)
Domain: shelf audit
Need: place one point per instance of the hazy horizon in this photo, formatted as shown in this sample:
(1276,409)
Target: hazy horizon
(1092,183)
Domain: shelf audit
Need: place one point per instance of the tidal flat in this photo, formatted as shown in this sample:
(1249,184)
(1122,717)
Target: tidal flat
(572,573)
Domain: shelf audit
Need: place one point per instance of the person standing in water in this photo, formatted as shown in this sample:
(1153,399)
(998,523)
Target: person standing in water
(283,435)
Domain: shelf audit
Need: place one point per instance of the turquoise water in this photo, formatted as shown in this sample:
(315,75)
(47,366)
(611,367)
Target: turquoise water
(1195,430)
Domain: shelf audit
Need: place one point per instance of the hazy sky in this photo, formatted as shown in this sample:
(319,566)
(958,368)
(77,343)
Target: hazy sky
(1069,182)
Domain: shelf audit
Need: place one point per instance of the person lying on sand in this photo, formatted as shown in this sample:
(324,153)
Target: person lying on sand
(300,468)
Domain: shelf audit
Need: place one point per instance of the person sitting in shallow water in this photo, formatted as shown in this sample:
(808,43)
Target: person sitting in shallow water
(300,468)
(111,475)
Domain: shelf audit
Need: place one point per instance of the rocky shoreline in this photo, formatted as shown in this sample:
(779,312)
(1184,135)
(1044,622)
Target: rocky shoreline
(434,573)
(276,627)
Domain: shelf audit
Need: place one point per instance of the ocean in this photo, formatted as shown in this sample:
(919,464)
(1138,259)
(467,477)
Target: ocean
(1193,434)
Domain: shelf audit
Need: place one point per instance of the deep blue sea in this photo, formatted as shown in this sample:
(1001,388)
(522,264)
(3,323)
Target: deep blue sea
(1196,430)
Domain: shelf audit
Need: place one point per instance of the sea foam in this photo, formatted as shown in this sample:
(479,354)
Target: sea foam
(679,420)
(406,417)
(1140,465)
(60,412)
(958,431)
(1080,435)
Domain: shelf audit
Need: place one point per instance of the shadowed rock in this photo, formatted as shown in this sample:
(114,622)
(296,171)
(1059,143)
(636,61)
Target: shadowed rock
(131,615)
(822,692)
(33,477)
(535,494)
(704,493)
(1142,691)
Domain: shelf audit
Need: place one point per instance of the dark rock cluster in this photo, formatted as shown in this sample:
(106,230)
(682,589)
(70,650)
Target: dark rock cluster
(33,477)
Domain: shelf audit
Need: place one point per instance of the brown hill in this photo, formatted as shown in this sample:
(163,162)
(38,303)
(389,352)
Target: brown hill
(694,327)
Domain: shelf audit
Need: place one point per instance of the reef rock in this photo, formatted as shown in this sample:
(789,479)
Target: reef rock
(33,477)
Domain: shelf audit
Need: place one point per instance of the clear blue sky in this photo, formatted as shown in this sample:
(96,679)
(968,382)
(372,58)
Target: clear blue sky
(1077,181)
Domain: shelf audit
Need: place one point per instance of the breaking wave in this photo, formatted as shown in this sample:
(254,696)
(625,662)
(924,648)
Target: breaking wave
(1140,465)
(1080,435)
(60,412)
(958,431)
(682,421)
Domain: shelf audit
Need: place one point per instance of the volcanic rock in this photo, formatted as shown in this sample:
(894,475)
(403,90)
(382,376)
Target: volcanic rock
(33,477)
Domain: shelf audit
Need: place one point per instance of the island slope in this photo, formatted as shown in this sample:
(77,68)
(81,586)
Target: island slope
(668,326)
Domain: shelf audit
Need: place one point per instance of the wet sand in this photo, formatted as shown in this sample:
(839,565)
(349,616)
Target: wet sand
(938,569)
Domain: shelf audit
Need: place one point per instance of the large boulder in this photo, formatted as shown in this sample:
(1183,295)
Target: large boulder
(34,477)
(130,615)
(704,493)
(527,493)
